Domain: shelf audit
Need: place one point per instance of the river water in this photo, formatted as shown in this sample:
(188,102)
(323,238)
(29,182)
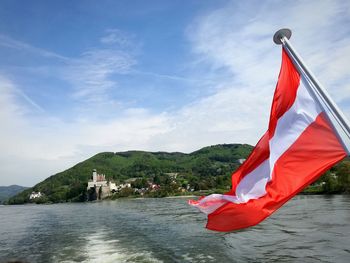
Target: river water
(306,229)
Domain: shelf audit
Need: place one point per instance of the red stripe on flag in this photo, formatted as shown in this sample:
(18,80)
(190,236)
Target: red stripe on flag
(285,93)
(314,152)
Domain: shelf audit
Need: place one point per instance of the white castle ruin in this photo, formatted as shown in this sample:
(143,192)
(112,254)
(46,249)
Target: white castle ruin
(103,187)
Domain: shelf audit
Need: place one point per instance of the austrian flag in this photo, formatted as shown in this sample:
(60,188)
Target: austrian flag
(299,145)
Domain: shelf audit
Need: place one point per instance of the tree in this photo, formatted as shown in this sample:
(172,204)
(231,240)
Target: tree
(140,183)
(125,192)
(156,179)
(100,193)
(329,183)
(343,173)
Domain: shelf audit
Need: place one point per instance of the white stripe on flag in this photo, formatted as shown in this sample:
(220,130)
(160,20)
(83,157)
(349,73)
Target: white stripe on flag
(291,125)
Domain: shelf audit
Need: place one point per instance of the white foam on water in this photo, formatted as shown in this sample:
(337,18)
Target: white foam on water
(100,248)
(198,258)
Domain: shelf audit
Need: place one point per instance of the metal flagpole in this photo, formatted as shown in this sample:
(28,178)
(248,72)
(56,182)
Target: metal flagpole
(281,37)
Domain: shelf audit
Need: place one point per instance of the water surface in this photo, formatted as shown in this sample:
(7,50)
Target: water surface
(307,229)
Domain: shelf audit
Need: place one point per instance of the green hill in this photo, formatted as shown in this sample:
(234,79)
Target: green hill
(207,169)
(204,169)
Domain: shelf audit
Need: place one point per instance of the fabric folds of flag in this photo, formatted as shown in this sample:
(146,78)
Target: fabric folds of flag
(298,147)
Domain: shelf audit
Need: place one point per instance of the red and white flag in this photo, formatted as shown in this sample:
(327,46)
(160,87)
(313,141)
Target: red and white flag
(298,147)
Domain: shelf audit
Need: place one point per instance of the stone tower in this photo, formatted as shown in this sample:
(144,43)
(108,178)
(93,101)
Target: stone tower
(94,175)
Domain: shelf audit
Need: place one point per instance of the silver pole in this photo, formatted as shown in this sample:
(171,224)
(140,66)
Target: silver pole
(281,37)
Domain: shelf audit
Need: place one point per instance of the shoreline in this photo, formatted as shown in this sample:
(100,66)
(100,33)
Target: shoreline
(193,195)
(180,196)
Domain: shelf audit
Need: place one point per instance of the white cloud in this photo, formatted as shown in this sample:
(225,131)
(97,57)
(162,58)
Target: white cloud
(229,116)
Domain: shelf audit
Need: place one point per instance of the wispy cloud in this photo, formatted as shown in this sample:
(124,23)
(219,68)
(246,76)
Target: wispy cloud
(90,75)
(29,100)
(9,42)
(117,37)
(167,76)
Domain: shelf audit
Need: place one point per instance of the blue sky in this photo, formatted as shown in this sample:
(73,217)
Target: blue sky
(81,77)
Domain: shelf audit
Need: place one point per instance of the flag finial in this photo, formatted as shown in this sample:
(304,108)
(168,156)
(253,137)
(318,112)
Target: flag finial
(284,32)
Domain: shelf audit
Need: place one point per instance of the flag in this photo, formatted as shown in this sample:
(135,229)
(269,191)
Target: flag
(298,147)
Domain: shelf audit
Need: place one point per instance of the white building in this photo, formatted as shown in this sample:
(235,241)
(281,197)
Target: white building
(34,195)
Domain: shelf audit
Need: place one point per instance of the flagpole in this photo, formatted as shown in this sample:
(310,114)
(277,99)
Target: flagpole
(281,37)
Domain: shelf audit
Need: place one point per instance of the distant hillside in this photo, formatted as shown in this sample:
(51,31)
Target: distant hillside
(203,169)
(8,191)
